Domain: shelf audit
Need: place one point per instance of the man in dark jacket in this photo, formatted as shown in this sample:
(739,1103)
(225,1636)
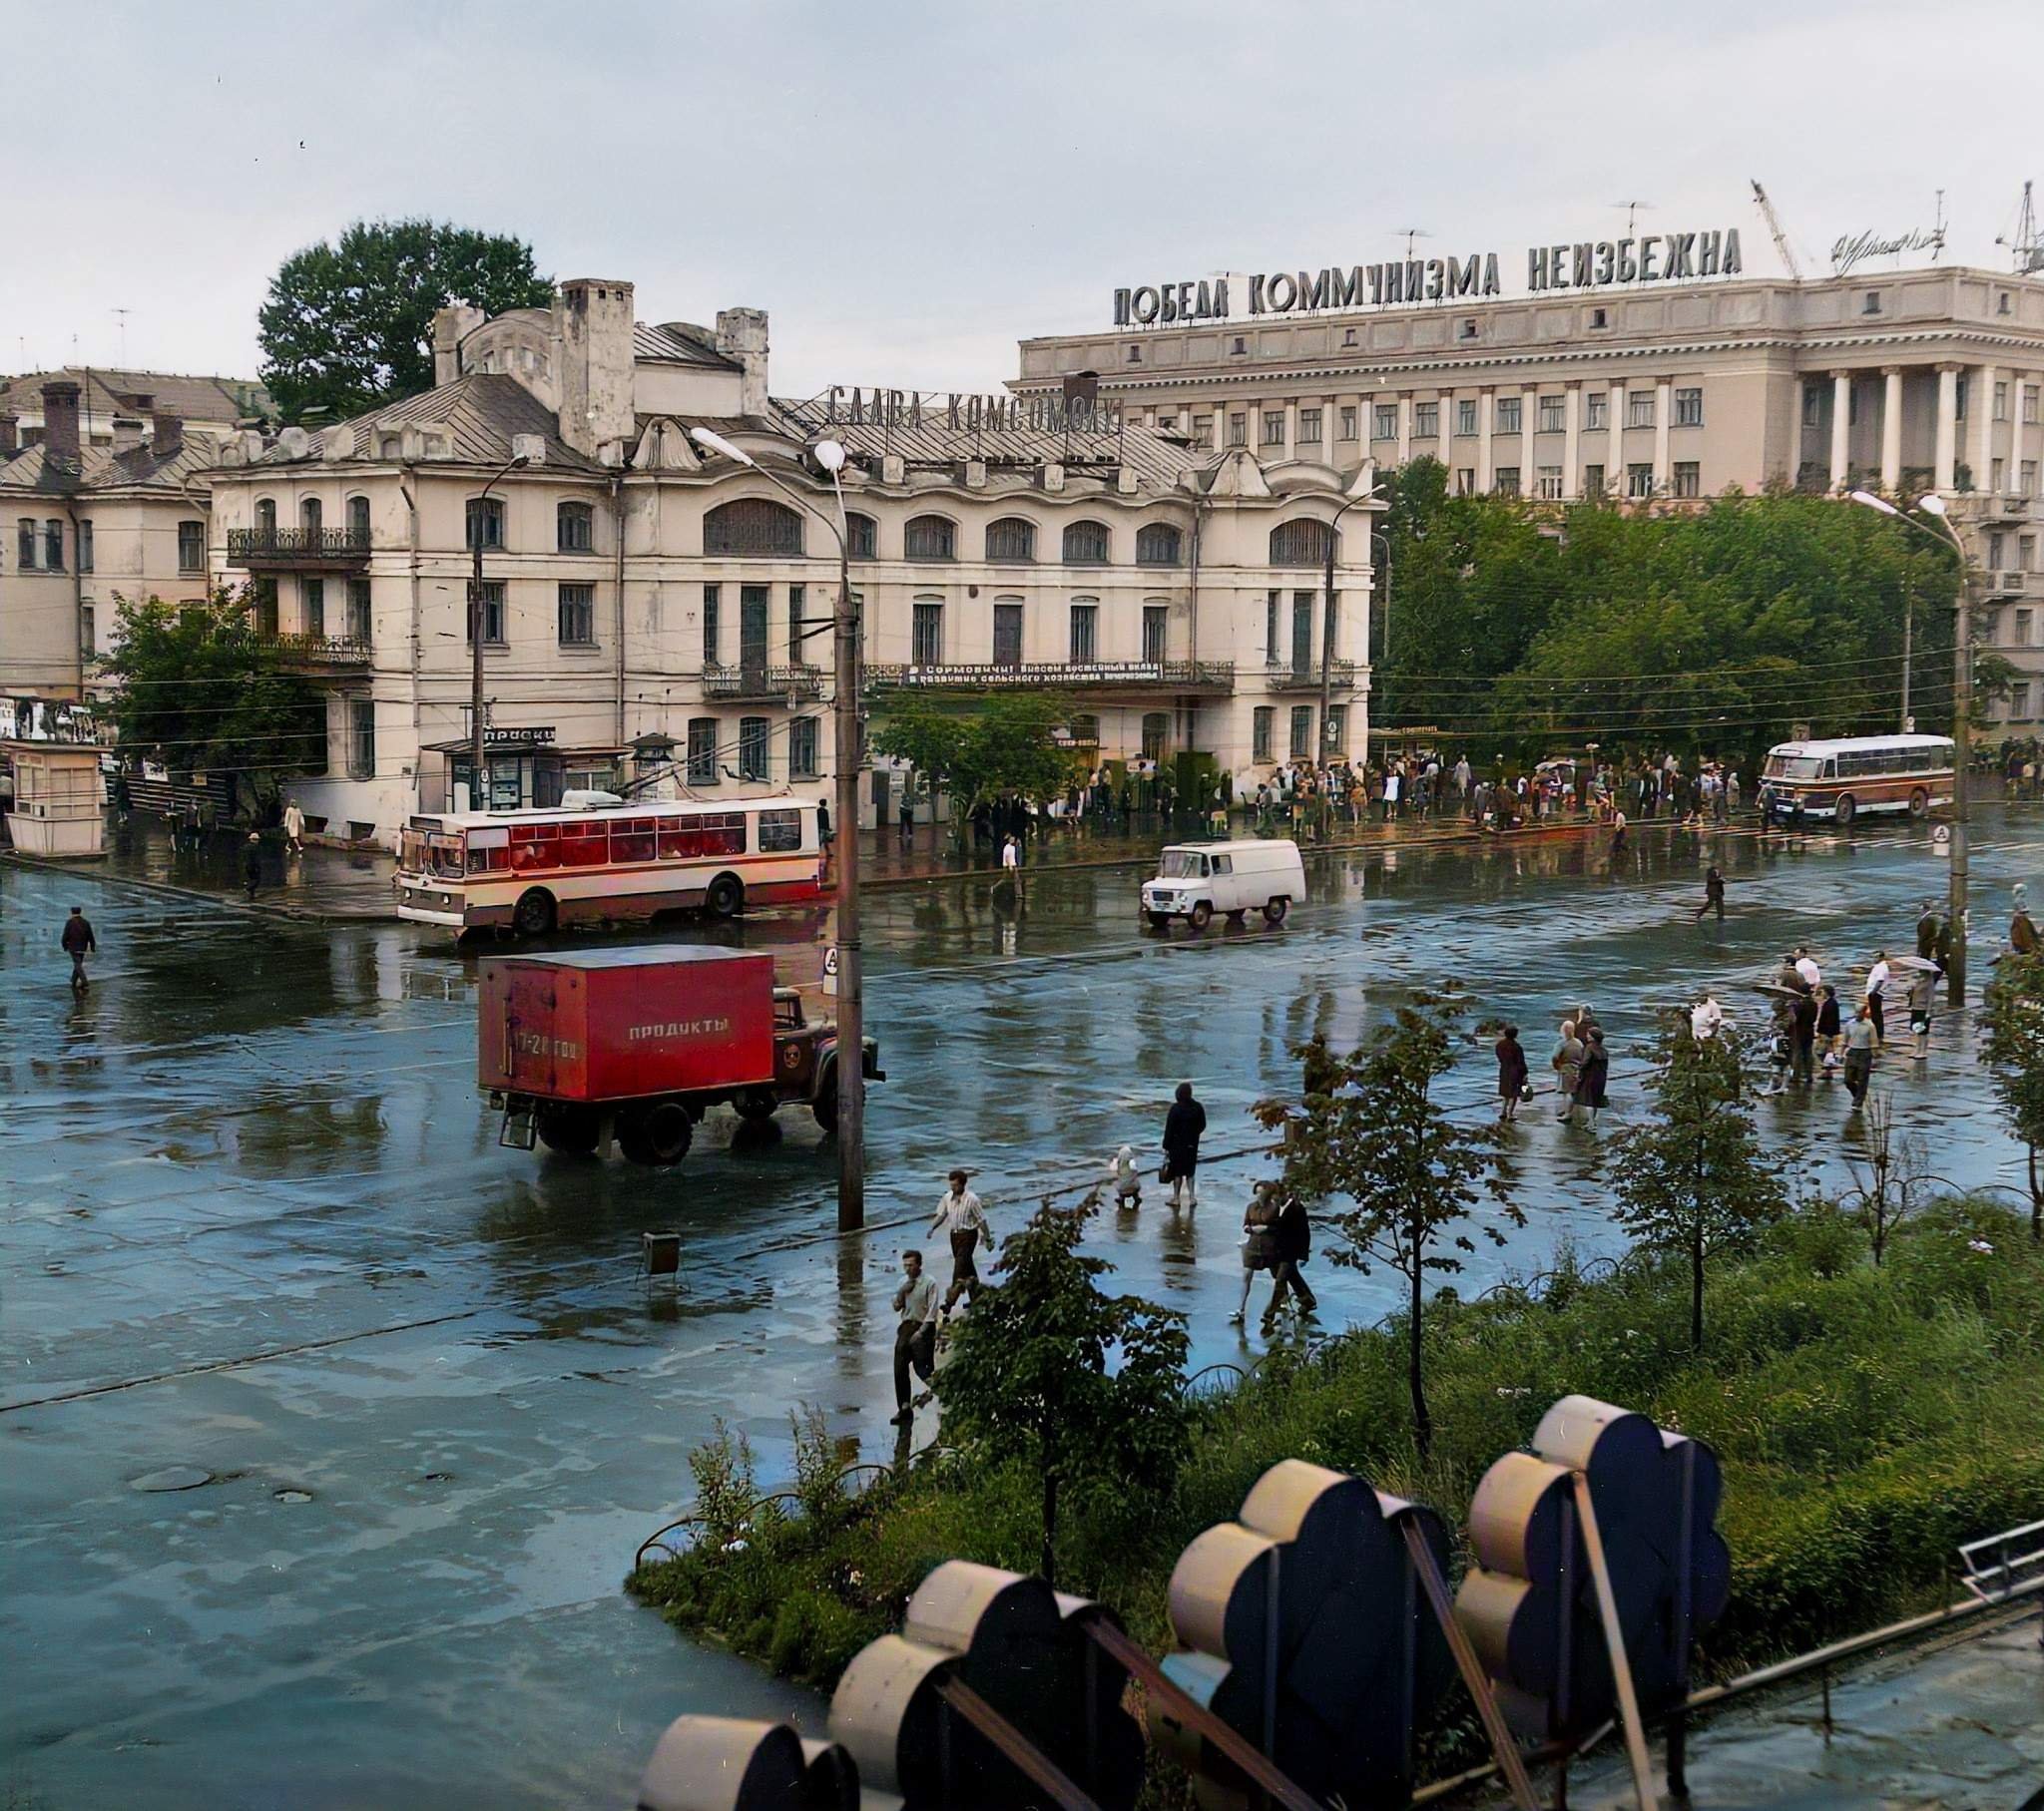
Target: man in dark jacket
(252,864)
(1295,1240)
(78,942)
(1182,1126)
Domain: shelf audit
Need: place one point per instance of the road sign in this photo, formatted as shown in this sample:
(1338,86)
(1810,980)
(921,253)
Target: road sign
(1942,840)
(831,970)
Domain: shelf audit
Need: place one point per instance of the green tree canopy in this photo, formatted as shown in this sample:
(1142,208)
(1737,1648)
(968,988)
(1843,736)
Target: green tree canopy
(1083,1386)
(2015,1048)
(197,688)
(980,748)
(348,326)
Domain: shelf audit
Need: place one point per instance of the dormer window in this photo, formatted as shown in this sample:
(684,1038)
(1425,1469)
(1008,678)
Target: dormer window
(1870,302)
(1240,344)
(2002,302)
(1135,355)
(1348,338)
(1600,317)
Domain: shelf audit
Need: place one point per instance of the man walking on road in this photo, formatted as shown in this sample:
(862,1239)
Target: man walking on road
(1182,1126)
(1713,896)
(915,1333)
(961,1218)
(295,828)
(79,943)
(1293,1235)
(1876,1004)
(1859,1037)
(252,864)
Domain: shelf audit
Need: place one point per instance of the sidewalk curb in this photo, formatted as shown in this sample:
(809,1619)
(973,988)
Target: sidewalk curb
(255,909)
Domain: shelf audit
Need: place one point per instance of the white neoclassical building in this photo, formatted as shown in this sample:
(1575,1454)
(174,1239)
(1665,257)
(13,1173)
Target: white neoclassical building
(646,602)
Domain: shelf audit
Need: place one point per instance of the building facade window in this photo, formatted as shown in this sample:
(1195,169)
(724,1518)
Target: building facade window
(2029,478)
(264,595)
(930,538)
(797,603)
(702,751)
(1271,602)
(265,518)
(1301,744)
(1086,544)
(1465,415)
(88,639)
(359,520)
(1007,631)
(862,536)
(1548,487)
(361,739)
(1639,480)
(1551,414)
(753,756)
(2001,399)
(1593,481)
(1084,730)
(1085,642)
(358,610)
(1507,482)
(313,600)
(1011,540)
(312,517)
(1238,430)
(1260,733)
(1156,633)
(574,528)
(926,644)
(1509,418)
(1274,427)
(2019,702)
(1346,421)
(1426,420)
(1156,735)
(1337,729)
(191,546)
(801,749)
(1639,408)
(1203,429)
(25,544)
(85,547)
(1465,481)
(493,614)
(713,610)
(1383,417)
(1997,469)
(754,527)
(1594,406)
(2030,402)
(1299,543)
(1309,427)
(486,522)
(1159,544)
(576,614)
(1689,407)
(1688,481)
(1813,404)
(53,545)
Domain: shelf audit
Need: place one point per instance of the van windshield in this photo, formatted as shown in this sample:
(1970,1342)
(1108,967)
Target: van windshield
(1182,864)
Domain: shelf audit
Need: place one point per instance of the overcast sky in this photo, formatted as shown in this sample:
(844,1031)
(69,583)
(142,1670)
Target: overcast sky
(909,190)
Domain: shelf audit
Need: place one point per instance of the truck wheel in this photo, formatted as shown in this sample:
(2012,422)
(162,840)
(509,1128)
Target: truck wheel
(1202,915)
(1274,910)
(755,1104)
(533,914)
(572,1131)
(824,1106)
(1847,807)
(724,898)
(659,1135)
(1920,803)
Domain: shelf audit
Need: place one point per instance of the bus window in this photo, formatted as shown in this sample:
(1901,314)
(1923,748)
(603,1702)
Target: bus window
(633,840)
(1831,768)
(584,843)
(780,832)
(488,861)
(535,847)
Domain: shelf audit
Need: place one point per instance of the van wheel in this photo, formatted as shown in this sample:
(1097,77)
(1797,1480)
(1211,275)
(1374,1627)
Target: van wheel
(658,1135)
(534,915)
(1275,909)
(572,1131)
(1159,921)
(755,1104)
(724,898)
(1202,915)
(1847,807)
(1920,803)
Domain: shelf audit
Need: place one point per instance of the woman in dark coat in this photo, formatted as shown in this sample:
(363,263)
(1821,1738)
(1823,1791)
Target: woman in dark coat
(1182,1126)
(1592,1077)
(1511,1074)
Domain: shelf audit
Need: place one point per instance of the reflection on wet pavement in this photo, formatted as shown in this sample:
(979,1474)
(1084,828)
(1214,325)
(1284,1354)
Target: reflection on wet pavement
(260,1234)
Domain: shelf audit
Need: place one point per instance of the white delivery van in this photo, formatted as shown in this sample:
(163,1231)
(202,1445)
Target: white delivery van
(1197,879)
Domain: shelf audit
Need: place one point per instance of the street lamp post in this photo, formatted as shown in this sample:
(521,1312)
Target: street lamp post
(1963,719)
(1327,627)
(851,1080)
(1384,609)
(478,788)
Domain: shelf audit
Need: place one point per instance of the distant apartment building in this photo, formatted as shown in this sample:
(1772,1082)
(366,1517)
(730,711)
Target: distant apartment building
(207,409)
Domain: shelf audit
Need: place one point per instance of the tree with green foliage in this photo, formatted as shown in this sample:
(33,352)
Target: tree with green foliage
(348,326)
(1693,1181)
(198,687)
(1373,1131)
(982,748)
(1085,1387)
(2013,1044)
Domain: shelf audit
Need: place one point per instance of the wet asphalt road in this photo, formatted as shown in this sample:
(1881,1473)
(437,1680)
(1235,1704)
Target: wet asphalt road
(260,1241)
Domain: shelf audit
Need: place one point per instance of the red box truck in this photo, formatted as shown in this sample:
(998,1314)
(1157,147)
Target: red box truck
(637,1044)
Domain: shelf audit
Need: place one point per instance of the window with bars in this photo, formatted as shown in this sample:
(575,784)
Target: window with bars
(702,751)
(1085,729)
(492,612)
(1086,544)
(1689,407)
(1689,480)
(1159,544)
(486,522)
(1261,720)
(1299,543)
(312,600)
(1426,420)
(574,528)
(753,748)
(191,546)
(358,609)
(1085,642)
(801,749)
(862,536)
(926,633)
(1552,417)
(576,610)
(756,528)
(930,538)
(1011,540)
(713,610)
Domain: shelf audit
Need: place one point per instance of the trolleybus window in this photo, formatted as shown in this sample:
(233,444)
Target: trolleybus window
(780,832)
(691,838)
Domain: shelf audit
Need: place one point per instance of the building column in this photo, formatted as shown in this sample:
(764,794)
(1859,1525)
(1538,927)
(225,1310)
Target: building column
(1613,464)
(1795,431)
(1571,441)
(1983,427)
(1405,426)
(1529,419)
(1487,409)
(1841,427)
(1947,455)
(1664,410)
(1891,430)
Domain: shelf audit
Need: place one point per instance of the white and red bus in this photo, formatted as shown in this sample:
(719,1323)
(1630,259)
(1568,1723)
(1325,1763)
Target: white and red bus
(536,869)
(1850,774)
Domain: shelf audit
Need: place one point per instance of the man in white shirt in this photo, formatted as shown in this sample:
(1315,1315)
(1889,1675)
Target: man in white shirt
(295,828)
(915,1336)
(1011,855)
(1876,986)
(961,1217)
(1705,1018)
(1808,969)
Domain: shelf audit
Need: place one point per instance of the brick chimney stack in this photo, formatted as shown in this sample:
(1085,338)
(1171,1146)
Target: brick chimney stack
(10,434)
(742,334)
(127,433)
(60,422)
(167,432)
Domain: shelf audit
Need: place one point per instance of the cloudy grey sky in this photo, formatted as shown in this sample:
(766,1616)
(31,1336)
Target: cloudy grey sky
(909,189)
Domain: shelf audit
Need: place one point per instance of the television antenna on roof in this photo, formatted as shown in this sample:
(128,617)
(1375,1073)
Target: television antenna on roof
(1632,209)
(1411,234)
(121,314)
(2025,244)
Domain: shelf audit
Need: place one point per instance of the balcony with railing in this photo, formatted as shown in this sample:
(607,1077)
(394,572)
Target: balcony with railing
(761,685)
(1340,675)
(299,549)
(1178,678)
(317,654)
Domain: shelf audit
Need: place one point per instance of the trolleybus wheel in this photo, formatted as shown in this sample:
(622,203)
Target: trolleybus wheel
(725,897)
(534,915)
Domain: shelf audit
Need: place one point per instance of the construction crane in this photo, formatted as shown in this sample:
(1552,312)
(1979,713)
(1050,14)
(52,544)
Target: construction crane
(2024,243)
(1778,231)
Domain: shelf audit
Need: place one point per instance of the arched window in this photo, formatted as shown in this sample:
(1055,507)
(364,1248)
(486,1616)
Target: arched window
(1086,544)
(1011,539)
(265,518)
(862,536)
(1301,543)
(359,520)
(574,528)
(486,522)
(752,526)
(930,538)
(309,515)
(1159,544)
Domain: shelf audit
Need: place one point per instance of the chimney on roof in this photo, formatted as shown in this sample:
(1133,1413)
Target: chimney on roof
(593,321)
(10,433)
(742,335)
(60,421)
(127,433)
(451,325)
(167,432)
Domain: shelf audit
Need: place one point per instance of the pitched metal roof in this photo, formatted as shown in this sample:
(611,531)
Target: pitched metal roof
(480,412)
(679,342)
(221,400)
(102,469)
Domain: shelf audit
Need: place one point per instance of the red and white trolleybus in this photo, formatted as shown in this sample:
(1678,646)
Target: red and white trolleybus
(533,870)
(1843,777)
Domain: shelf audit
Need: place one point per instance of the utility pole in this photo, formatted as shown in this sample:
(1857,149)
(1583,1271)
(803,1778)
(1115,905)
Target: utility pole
(1328,629)
(1962,758)
(478,785)
(1908,627)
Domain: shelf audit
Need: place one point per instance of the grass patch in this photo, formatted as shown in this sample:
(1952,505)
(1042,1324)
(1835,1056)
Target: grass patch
(1869,1420)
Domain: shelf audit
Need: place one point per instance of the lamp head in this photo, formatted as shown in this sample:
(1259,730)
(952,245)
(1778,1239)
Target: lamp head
(717,444)
(1932,502)
(1873,502)
(830,454)
(523,460)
